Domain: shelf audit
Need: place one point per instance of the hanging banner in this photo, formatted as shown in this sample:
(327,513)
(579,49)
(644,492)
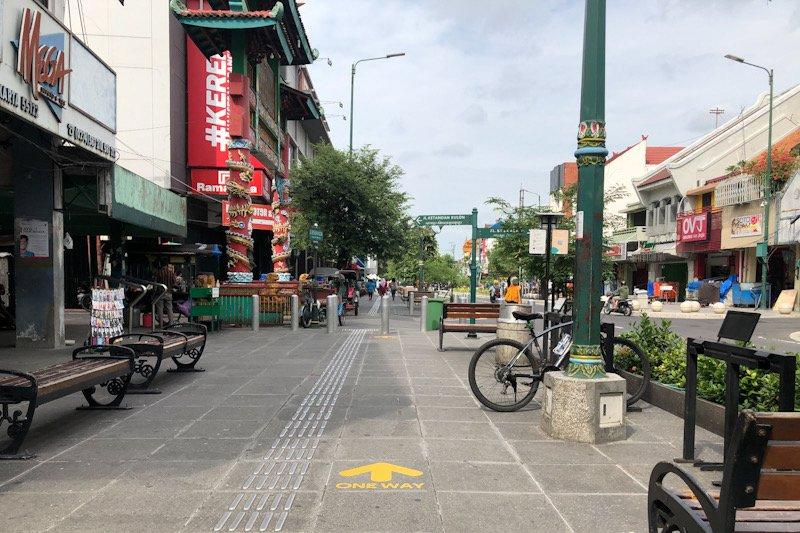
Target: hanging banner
(262,216)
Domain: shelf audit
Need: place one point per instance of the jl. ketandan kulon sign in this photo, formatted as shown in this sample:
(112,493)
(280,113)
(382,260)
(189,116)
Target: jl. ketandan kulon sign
(35,73)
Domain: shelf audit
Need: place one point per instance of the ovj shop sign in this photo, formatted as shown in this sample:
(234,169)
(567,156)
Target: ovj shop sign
(42,65)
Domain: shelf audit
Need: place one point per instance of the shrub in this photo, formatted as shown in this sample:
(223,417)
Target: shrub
(667,353)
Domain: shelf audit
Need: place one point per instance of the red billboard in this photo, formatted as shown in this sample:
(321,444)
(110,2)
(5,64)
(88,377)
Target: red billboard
(208,108)
(212,181)
(262,216)
(693,227)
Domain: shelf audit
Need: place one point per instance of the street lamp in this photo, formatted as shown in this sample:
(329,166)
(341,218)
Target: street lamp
(548,221)
(352,82)
(762,251)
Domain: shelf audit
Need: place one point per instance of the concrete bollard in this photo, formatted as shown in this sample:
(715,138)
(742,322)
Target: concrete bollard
(385,314)
(423,313)
(333,313)
(256,311)
(295,312)
(411,303)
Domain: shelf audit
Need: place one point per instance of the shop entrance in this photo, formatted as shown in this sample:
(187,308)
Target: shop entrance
(676,273)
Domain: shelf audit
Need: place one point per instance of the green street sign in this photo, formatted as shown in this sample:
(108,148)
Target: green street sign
(444,220)
(494,233)
(315,235)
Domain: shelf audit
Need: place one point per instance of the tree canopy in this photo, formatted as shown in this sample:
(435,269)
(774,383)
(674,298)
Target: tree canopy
(356,202)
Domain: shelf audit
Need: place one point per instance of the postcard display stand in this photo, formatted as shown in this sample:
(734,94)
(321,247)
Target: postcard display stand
(107,308)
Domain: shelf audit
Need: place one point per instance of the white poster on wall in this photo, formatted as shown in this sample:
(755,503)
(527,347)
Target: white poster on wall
(537,241)
(33,238)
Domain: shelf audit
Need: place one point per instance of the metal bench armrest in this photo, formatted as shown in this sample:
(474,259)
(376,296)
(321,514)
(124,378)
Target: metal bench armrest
(21,392)
(105,351)
(709,506)
(191,328)
(133,337)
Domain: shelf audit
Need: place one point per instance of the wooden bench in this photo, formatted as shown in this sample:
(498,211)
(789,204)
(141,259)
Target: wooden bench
(91,368)
(417,295)
(183,343)
(467,311)
(760,488)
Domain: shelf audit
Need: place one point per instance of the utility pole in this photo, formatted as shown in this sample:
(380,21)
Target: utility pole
(717,111)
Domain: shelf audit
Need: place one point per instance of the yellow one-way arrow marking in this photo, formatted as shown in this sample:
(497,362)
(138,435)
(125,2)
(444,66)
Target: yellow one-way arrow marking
(380,471)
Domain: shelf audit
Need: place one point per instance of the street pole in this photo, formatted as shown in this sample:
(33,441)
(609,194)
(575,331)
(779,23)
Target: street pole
(762,251)
(352,87)
(473,267)
(767,198)
(547,259)
(421,261)
(585,359)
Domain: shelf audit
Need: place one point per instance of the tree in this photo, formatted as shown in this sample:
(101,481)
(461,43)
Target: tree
(356,202)
(419,242)
(511,252)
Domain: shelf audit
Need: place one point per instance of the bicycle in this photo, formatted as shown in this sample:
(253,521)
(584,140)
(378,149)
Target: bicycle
(504,374)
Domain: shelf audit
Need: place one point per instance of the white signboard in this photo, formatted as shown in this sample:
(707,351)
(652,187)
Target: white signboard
(537,241)
(38,80)
(33,238)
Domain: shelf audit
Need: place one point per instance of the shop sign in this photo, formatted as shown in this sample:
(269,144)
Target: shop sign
(208,109)
(746,226)
(693,228)
(43,64)
(211,181)
(262,216)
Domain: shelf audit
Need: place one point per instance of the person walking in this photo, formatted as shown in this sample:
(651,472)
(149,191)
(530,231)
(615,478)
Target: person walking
(370,287)
(166,276)
(393,287)
(382,287)
(513,292)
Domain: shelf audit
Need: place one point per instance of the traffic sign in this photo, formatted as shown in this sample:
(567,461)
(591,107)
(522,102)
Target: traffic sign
(494,233)
(444,220)
(315,235)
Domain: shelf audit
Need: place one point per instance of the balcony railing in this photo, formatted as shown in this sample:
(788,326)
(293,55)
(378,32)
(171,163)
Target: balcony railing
(632,234)
(738,190)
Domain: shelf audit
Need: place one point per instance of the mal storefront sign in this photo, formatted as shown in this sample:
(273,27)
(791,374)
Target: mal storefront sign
(211,181)
(42,65)
(262,216)
(208,104)
(746,226)
(693,228)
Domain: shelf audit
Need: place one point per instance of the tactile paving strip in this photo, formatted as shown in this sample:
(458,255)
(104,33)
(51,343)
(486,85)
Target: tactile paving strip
(272,486)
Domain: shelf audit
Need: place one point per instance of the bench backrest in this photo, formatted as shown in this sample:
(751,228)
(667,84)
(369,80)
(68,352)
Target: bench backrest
(457,310)
(419,294)
(764,463)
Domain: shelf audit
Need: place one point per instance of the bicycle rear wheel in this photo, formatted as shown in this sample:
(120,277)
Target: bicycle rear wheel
(498,385)
(629,357)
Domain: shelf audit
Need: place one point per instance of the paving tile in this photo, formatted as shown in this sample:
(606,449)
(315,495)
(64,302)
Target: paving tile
(608,513)
(199,475)
(65,477)
(367,450)
(465,414)
(458,430)
(38,512)
(249,476)
(299,517)
(493,512)
(558,452)
(222,429)
(527,431)
(459,450)
(482,477)
(242,412)
(381,428)
(378,511)
(584,479)
(200,449)
(112,450)
(636,452)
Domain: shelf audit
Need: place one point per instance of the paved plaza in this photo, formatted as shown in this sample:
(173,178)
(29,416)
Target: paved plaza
(309,431)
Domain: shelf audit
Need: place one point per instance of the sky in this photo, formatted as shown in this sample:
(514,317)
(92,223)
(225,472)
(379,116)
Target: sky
(487,98)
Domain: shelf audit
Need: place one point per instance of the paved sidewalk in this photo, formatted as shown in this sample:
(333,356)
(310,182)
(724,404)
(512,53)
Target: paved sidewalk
(273,437)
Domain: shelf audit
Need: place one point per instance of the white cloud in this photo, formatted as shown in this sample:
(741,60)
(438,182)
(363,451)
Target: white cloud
(487,97)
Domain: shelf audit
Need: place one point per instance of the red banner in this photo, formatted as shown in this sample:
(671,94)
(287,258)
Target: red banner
(212,181)
(693,228)
(262,216)
(208,109)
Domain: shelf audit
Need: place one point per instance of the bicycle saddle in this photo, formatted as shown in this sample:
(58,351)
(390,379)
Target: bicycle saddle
(527,317)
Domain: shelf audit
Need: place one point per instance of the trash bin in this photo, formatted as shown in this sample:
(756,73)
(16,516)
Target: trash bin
(510,329)
(435,310)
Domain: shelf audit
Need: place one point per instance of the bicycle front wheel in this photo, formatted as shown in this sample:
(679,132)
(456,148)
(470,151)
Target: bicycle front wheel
(629,357)
(498,384)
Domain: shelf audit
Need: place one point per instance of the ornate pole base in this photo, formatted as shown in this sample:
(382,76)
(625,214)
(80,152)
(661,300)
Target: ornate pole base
(581,409)
(586,362)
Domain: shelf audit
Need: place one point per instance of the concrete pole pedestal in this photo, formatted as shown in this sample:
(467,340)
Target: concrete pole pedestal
(584,410)
(423,313)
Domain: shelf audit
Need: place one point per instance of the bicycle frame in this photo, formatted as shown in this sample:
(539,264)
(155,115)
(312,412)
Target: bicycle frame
(535,342)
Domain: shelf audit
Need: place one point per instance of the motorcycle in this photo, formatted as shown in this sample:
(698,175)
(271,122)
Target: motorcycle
(622,307)
(84,297)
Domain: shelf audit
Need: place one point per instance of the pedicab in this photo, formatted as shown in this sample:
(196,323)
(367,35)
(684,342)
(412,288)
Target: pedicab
(351,278)
(315,289)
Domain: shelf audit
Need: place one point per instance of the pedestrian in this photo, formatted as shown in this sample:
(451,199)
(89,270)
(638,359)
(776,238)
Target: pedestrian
(370,287)
(513,292)
(393,287)
(382,287)
(166,276)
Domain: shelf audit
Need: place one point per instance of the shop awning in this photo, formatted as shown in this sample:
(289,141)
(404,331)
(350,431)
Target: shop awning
(298,105)
(138,201)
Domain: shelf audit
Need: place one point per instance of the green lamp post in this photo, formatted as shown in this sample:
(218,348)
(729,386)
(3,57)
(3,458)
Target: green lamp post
(586,360)
(353,81)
